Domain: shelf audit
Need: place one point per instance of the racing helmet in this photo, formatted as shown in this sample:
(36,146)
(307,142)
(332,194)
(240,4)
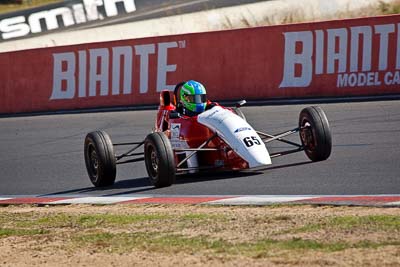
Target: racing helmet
(193,97)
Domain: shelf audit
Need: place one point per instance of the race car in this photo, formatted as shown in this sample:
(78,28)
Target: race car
(218,139)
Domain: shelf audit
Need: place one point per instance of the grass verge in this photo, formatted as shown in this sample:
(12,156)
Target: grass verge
(389,8)
(295,235)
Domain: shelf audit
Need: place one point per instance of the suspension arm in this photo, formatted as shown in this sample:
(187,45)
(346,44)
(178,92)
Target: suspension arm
(284,153)
(128,154)
(195,151)
(131,160)
(279,137)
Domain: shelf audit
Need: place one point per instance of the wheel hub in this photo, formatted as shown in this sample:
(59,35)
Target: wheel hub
(307,136)
(94,162)
(154,161)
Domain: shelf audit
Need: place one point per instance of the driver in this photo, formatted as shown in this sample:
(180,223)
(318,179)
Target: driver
(193,98)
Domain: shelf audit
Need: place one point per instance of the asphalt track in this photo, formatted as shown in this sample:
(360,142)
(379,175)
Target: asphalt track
(43,155)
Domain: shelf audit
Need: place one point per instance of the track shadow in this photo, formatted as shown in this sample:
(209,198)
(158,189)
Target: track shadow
(137,186)
(285,166)
(212,176)
(142,184)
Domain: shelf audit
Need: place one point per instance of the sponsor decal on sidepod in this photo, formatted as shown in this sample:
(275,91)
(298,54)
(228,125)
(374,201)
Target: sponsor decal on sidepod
(242,129)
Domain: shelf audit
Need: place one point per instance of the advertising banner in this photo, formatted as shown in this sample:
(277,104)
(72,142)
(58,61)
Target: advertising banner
(61,15)
(73,14)
(326,59)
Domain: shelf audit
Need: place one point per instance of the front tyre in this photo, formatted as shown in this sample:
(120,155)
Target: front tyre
(100,159)
(315,133)
(159,159)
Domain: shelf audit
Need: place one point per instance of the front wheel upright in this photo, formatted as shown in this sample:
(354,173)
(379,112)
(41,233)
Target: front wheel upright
(315,133)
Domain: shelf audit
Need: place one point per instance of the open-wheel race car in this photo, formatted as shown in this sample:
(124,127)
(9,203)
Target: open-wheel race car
(218,139)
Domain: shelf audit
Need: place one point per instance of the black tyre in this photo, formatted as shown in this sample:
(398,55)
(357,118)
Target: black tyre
(100,159)
(159,159)
(315,133)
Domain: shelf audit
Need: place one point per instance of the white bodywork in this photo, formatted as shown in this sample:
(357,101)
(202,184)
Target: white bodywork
(238,134)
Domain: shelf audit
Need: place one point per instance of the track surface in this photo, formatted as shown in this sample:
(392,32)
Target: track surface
(43,155)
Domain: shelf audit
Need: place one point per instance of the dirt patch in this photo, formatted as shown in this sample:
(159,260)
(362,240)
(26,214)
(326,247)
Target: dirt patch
(181,235)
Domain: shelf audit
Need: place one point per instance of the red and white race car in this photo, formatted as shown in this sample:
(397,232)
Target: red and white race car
(219,139)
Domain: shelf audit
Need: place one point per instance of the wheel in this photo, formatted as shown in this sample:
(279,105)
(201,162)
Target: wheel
(315,133)
(239,112)
(159,159)
(100,159)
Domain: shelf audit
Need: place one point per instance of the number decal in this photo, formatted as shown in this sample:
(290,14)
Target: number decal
(247,141)
(256,141)
(251,141)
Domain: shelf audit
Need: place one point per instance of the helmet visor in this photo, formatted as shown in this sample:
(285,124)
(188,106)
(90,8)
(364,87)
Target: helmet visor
(196,99)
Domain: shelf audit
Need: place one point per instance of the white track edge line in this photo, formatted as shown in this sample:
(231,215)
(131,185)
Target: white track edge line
(95,200)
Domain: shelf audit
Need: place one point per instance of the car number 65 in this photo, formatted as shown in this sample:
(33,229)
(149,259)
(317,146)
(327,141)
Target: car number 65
(251,140)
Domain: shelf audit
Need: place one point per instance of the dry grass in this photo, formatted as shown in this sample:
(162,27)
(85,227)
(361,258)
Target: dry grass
(199,235)
(291,16)
(387,9)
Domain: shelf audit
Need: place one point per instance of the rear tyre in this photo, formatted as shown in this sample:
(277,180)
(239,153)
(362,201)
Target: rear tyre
(159,159)
(100,159)
(315,133)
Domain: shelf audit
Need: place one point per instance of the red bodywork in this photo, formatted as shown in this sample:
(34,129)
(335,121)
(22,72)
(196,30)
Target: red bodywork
(195,134)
